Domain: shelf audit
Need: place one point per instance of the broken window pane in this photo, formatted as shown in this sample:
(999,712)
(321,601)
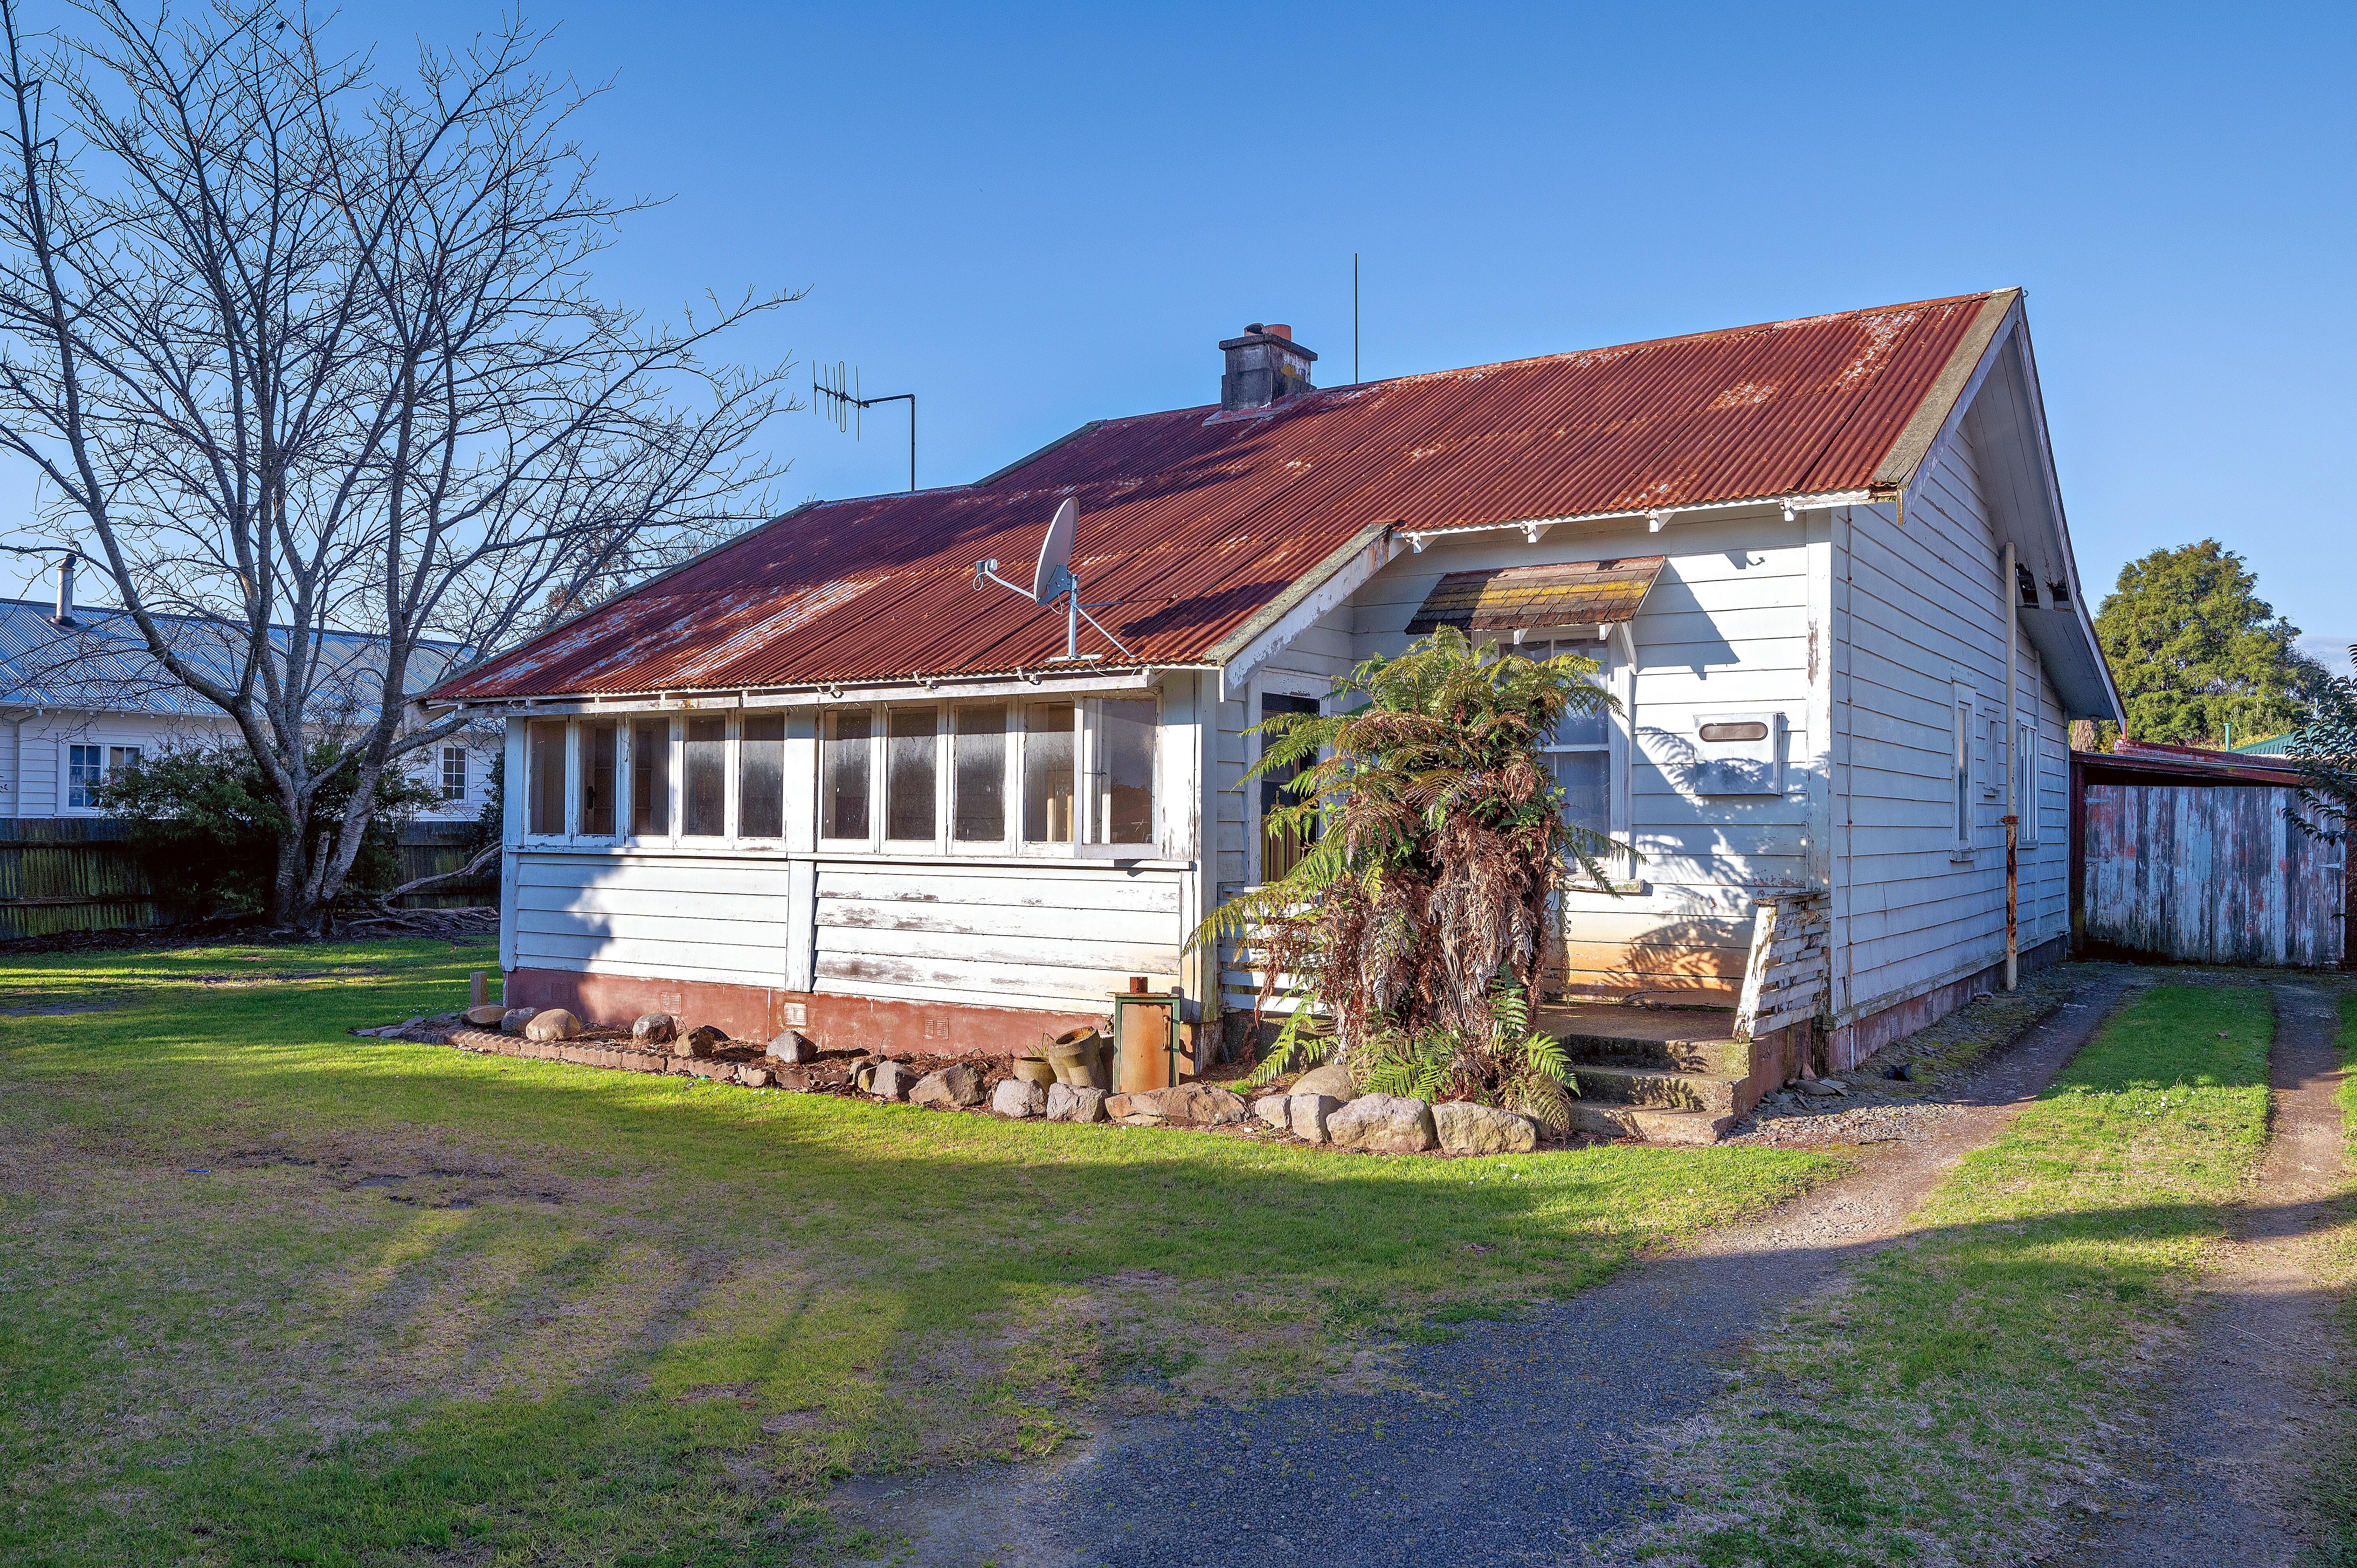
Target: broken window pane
(761,777)
(1125,755)
(544,762)
(705,768)
(908,766)
(597,746)
(978,757)
(651,779)
(1048,773)
(842,774)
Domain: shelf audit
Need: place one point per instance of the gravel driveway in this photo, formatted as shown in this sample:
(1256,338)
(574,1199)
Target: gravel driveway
(1516,1443)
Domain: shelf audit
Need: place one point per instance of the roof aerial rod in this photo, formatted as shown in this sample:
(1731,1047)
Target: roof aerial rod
(1053,575)
(835,394)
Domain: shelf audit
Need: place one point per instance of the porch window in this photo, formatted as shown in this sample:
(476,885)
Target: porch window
(978,774)
(544,770)
(843,775)
(454,773)
(910,759)
(599,744)
(1124,774)
(761,777)
(1048,758)
(651,779)
(706,765)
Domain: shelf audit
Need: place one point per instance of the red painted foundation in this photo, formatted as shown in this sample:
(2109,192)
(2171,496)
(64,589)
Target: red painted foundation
(761,1013)
(1853,1043)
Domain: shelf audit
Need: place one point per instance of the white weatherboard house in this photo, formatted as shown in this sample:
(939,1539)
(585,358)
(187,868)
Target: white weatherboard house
(820,779)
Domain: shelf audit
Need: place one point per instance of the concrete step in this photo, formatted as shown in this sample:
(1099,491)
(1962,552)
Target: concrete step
(1652,1126)
(1708,1054)
(1662,1088)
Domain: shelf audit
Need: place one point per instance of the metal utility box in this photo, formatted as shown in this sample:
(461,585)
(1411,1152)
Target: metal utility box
(1145,1038)
(1739,753)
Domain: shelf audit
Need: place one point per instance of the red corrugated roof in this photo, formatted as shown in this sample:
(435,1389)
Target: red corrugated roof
(1196,519)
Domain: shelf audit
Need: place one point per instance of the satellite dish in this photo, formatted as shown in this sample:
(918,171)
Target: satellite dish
(1056,553)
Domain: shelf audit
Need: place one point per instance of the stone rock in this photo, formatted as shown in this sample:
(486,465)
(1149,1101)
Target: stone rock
(792,1048)
(1018,1098)
(655,1029)
(555,1024)
(700,1041)
(1332,1080)
(1271,1109)
(1819,1087)
(863,1073)
(1067,1103)
(1902,1071)
(1306,1114)
(486,1016)
(890,1081)
(753,1077)
(1467,1129)
(513,1019)
(1185,1105)
(954,1085)
(1383,1124)
(1139,1110)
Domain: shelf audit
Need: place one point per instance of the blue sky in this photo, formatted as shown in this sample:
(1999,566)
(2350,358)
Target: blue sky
(1036,216)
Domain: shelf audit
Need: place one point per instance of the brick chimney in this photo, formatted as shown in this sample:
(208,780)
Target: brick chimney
(1263,365)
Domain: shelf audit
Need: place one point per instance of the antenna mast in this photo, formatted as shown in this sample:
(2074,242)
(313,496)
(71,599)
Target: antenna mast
(835,395)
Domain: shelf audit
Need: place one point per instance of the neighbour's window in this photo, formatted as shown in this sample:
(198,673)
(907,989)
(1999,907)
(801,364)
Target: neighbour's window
(1048,773)
(1281,849)
(978,775)
(2025,783)
(85,770)
(704,775)
(1960,735)
(544,769)
(454,772)
(761,777)
(651,779)
(599,741)
(119,758)
(1125,802)
(909,762)
(843,775)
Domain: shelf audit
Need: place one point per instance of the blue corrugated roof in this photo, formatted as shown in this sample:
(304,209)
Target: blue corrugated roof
(100,663)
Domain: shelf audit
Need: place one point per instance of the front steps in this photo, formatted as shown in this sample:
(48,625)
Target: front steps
(1668,1074)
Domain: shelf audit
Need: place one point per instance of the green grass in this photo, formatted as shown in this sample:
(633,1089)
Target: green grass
(2333,1484)
(1938,1407)
(275,1295)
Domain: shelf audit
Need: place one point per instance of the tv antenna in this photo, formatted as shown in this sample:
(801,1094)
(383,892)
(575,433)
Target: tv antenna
(1053,576)
(835,394)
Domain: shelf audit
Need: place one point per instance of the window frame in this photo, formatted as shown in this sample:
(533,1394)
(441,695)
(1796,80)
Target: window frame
(1090,767)
(1963,709)
(626,790)
(458,754)
(577,818)
(2027,746)
(77,787)
(736,744)
(566,806)
(872,843)
(1272,684)
(1010,778)
(881,810)
(1619,680)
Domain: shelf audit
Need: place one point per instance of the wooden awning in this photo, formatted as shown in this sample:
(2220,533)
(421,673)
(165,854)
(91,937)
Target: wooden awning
(1574,592)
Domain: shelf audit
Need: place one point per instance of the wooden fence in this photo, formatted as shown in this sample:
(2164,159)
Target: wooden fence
(2209,875)
(80,874)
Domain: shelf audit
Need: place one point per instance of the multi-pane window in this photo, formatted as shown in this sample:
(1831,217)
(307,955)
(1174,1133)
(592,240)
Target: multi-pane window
(651,779)
(599,743)
(85,770)
(761,777)
(843,772)
(1048,766)
(454,772)
(909,762)
(544,777)
(1579,753)
(705,769)
(978,774)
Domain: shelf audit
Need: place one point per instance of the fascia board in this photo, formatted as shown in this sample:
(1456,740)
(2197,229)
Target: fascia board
(1291,612)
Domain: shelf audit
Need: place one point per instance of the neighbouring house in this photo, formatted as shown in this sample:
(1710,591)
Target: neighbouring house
(827,777)
(81,697)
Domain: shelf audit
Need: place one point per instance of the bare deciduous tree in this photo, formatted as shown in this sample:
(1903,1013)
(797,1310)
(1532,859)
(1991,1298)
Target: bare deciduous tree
(294,349)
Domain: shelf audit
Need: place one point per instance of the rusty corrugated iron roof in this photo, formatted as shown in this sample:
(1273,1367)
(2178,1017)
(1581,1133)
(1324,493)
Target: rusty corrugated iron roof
(1574,592)
(1193,519)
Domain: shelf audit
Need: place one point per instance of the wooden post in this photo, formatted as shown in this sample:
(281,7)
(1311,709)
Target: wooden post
(2012,903)
(476,994)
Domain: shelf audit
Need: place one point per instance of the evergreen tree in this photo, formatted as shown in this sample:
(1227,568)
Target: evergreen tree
(2194,649)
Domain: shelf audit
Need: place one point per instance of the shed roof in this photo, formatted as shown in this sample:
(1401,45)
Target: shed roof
(1194,521)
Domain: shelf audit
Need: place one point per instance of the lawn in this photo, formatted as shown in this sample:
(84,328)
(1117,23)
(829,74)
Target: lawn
(1940,1406)
(276,1294)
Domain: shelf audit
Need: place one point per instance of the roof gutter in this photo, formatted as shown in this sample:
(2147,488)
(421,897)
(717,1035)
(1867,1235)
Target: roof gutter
(1051,681)
(1657,518)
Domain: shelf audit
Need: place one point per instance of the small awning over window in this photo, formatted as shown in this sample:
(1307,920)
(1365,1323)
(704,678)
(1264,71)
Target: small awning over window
(1575,593)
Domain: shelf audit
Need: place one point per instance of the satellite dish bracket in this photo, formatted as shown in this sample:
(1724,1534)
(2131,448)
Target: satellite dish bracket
(1053,578)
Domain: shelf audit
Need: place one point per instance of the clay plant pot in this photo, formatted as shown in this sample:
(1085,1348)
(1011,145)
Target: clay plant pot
(1034,1069)
(1078,1059)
